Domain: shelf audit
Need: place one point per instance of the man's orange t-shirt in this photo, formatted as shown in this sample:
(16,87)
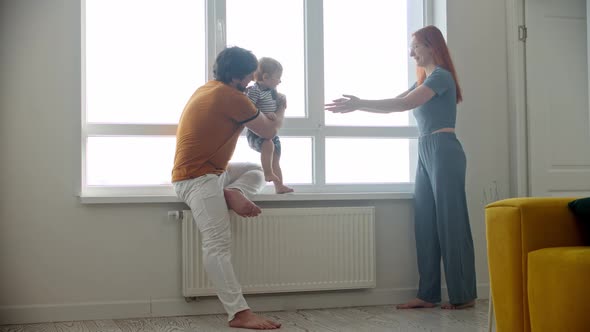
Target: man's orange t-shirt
(208,130)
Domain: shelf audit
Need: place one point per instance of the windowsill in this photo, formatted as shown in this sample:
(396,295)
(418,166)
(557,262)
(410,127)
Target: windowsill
(96,199)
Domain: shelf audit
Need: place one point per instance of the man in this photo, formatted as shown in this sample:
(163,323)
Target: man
(204,179)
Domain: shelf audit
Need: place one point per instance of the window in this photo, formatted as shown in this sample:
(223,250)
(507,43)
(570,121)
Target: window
(142,59)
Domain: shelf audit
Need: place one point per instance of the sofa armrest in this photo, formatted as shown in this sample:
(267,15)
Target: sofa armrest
(539,222)
(515,227)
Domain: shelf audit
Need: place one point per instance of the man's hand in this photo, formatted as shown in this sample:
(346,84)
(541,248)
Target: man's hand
(271,116)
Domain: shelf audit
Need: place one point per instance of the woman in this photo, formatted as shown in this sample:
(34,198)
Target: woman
(440,215)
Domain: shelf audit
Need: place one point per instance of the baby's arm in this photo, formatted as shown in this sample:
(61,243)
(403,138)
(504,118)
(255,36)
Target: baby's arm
(281,101)
(281,106)
(253,94)
(279,114)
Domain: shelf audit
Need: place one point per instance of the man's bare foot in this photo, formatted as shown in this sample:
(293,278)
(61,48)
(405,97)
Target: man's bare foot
(282,189)
(248,320)
(240,204)
(416,303)
(271,177)
(449,306)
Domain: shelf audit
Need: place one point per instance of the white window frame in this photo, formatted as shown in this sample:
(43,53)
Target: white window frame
(419,12)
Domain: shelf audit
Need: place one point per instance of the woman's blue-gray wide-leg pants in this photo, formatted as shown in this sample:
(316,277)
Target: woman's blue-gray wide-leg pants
(442,222)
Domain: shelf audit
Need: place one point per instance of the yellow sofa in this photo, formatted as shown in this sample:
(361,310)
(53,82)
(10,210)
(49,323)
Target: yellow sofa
(539,266)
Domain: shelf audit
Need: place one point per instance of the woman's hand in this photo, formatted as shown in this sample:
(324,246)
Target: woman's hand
(347,104)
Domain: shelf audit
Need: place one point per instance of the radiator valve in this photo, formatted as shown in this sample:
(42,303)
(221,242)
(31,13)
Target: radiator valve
(174,215)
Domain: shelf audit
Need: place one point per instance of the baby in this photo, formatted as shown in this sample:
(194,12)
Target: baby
(264,95)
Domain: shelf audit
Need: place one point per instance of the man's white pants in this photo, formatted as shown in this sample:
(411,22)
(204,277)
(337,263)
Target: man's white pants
(204,195)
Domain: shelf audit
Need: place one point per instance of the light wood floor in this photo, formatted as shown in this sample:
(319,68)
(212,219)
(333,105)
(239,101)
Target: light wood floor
(357,319)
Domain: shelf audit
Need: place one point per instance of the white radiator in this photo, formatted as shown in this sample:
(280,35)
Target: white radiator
(290,250)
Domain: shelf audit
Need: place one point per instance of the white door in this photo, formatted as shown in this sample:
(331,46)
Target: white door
(557,98)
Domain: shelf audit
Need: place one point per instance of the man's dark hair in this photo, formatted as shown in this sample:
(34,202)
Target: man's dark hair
(234,62)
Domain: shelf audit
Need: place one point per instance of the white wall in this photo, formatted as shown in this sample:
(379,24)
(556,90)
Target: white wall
(61,260)
(476,33)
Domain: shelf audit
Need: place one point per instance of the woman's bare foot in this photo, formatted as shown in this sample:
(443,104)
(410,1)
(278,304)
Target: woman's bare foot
(271,177)
(282,189)
(449,306)
(416,303)
(240,204)
(248,320)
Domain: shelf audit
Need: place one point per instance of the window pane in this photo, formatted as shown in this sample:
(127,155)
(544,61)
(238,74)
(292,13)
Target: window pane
(271,28)
(144,59)
(296,154)
(367,160)
(365,50)
(115,161)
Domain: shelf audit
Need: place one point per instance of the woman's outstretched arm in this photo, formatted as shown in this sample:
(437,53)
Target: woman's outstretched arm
(404,102)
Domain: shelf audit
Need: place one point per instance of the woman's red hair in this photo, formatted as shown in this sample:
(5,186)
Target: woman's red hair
(433,39)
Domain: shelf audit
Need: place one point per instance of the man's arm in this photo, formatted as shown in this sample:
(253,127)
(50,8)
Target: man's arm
(263,126)
(268,128)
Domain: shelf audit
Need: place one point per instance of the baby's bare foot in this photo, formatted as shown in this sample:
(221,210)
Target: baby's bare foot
(240,204)
(282,189)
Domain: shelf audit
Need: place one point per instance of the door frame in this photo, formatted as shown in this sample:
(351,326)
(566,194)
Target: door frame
(517,100)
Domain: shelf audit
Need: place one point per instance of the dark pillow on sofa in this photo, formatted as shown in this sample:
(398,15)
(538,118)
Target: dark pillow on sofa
(581,209)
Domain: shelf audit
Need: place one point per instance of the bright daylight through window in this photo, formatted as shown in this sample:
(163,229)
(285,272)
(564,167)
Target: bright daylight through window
(143,59)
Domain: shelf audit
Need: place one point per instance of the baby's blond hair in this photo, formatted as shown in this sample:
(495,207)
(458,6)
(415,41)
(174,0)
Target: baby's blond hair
(267,66)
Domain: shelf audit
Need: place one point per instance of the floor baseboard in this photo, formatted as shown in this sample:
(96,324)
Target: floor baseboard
(26,314)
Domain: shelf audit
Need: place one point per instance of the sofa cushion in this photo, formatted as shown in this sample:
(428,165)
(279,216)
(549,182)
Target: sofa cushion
(558,289)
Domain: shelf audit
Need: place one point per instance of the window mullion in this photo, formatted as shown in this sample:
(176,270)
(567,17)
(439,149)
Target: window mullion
(314,63)
(426,8)
(416,18)
(420,13)
(215,28)
(314,82)
(83,129)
